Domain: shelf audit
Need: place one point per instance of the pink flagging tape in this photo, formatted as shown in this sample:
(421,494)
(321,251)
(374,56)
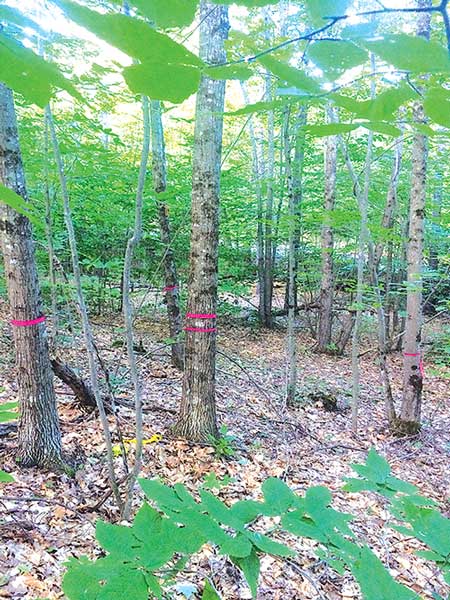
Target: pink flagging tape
(169,288)
(421,364)
(201,329)
(201,315)
(28,323)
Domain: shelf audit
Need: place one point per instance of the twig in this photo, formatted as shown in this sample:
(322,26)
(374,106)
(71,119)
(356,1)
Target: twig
(46,501)
(306,576)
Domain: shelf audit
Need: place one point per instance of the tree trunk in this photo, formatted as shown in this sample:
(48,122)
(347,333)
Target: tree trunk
(170,270)
(294,174)
(49,235)
(327,242)
(87,329)
(133,242)
(267,289)
(258,173)
(410,413)
(39,441)
(197,419)
(438,195)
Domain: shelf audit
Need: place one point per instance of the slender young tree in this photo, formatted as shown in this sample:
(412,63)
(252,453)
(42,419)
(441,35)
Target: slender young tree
(39,440)
(197,419)
(133,242)
(410,412)
(87,328)
(327,242)
(294,175)
(266,292)
(159,174)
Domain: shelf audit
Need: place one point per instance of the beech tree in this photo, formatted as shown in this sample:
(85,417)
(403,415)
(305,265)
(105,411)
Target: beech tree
(39,439)
(197,419)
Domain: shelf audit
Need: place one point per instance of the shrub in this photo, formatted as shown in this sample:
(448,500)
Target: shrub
(143,560)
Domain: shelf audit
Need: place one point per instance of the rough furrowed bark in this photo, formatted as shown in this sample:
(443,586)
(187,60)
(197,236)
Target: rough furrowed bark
(39,438)
(197,419)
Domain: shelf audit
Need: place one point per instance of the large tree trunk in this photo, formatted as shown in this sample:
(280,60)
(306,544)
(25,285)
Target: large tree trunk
(197,419)
(159,173)
(39,440)
(410,413)
(327,243)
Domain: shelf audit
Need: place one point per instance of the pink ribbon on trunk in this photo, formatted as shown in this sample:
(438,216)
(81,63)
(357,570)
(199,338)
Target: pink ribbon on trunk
(36,321)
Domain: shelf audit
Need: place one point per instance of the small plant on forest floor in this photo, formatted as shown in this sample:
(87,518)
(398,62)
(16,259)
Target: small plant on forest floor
(224,444)
(143,560)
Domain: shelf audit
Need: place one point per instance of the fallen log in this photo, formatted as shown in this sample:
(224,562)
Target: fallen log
(82,390)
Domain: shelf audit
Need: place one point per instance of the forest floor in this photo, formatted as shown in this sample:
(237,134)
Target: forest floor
(306,445)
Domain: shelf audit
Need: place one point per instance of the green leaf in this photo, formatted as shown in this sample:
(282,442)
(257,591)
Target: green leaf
(105,579)
(278,496)
(167,13)
(25,72)
(329,129)
(6,415)
(116,539)
(246,510)
(319,9)
(159,81)
(265,544)
(9,405)
(384,128)
(294,522)
(411,53)
(153,585)
(250,567)
(335,57)
(290,75)
(317,497)
(219,511)
(5,477)
(260,107)
(16,202)
(130,35)
(168,71)
(237,71)
(381,108)
(375,581)
(399,485)
(209,593)
(163,495)
(436,105)
(379,467)
(359,485)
